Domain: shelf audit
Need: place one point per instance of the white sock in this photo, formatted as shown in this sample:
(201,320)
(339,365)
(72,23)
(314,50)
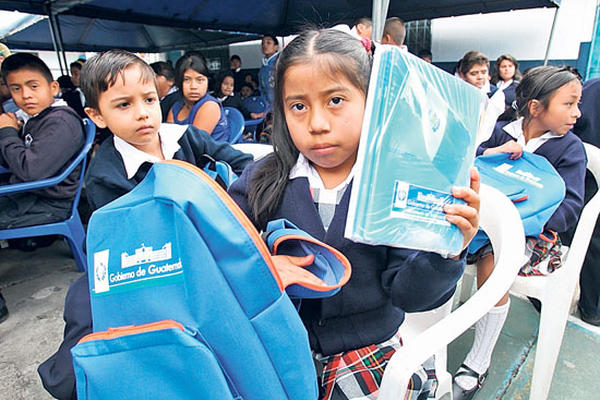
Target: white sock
(487,332)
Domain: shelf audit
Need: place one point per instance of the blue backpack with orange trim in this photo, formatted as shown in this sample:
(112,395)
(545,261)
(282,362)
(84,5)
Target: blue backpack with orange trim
(186,302)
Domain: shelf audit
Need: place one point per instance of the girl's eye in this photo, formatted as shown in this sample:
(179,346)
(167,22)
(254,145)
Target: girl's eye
(298,107)
(336,101)
(122,105)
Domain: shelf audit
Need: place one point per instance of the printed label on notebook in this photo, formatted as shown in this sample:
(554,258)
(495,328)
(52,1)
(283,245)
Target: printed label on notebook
(420,204)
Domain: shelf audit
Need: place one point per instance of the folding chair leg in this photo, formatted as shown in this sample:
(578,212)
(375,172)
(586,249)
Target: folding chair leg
(553,320)
(76,239)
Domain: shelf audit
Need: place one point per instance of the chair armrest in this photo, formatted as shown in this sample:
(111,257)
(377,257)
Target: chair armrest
(253,122)
(501,221)
(47,182)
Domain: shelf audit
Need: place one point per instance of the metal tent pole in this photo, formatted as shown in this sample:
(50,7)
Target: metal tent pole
(551,38)
(61,43)
(54,41)
(380,8)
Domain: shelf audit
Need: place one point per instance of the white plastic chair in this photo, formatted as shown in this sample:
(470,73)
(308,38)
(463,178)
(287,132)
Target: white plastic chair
(257,150)
(555,291)
(500,220)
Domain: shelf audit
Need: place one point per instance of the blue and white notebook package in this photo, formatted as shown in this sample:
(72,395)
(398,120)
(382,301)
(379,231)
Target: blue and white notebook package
(418,140)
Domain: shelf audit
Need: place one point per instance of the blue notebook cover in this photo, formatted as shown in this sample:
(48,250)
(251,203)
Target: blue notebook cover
(418,140)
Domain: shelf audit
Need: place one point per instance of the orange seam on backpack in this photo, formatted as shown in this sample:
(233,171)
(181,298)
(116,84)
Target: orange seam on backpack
(113,333)
(336,253)
(238,213)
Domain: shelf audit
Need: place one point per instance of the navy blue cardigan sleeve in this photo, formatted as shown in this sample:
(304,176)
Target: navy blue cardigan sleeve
(422,280)
(57,374)
(203,143)
(571,167)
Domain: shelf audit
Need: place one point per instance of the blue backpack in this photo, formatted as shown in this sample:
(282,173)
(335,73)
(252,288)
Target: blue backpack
(186,302)
(530,181)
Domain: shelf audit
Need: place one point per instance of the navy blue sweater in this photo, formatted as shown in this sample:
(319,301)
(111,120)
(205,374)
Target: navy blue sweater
(567,156)
(385,281)
(106,179)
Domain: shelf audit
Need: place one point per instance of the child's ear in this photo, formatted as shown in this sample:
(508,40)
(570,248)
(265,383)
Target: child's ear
(535,108)
(95,116)
(54,87)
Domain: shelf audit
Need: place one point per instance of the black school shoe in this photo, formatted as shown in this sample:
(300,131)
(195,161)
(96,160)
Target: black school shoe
(590,319)
(458,393)
(3,309)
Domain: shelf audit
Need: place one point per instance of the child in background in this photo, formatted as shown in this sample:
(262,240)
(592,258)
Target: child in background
(228,97)
(197,107)
(122,95)
(506,77)
(320,91)
(546,101)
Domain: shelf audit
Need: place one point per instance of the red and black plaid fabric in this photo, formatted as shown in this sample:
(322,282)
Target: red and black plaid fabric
(538,250)
(357,374)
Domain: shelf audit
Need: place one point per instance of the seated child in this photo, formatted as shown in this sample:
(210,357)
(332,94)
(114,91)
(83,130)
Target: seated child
(546,101)
(228,97)
(197,107)
(121,93)
(319,103)
(40,148)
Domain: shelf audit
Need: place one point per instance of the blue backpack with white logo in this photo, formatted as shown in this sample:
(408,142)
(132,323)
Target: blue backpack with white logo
(186,301)
(530,181)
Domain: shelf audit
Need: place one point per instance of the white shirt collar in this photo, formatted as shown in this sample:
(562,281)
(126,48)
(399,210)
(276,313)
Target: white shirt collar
(133,158)
(302,168)
(515,129)
(501,85)
(265,60)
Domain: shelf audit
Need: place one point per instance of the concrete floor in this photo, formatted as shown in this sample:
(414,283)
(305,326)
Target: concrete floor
(34,285)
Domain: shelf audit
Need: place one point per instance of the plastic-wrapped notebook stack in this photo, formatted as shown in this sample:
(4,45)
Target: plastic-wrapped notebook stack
(417,142)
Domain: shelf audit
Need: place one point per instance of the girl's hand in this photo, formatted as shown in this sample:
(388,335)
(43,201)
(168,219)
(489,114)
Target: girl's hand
(290,269)
(466,216)
(511,147)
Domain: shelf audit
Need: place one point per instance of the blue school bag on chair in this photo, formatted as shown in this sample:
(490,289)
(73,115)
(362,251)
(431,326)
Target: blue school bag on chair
(186,302)
(530,182)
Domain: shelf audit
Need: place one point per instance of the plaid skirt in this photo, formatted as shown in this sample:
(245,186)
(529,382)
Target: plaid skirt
(357,374)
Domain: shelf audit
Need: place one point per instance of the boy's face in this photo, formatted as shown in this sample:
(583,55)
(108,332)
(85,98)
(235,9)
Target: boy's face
(75,75)
(477,75)
(31,91)
(130,109)
(268,46)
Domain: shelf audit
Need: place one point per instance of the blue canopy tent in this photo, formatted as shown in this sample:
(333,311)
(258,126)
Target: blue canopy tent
(92,34)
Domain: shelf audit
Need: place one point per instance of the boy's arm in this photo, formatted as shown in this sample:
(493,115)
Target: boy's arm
(57,374)
(419,281)
(57,140)
(219,151)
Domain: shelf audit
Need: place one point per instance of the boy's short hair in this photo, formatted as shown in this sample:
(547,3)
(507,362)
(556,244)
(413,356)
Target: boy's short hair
(76,64)
(27,61)
(470,59)
(235,57)
(101,72)
(394,27)
(273,37)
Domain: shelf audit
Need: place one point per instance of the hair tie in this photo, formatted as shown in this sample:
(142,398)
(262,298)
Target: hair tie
(366,44)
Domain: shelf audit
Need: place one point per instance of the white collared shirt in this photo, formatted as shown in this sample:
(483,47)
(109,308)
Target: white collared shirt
(501,85)
(515,129)
(133,158)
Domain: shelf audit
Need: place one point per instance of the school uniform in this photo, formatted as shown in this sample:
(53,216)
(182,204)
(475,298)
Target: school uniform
(588,129)
(118,166)
(221,131)
(386,282)
(235,101)
(509,88)
(266,77)
(567,156)
(45,144)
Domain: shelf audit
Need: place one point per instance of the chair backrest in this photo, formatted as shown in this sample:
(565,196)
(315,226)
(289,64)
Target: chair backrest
(235,120)
(90,134)
(255,104)
(258,150)
(501,221)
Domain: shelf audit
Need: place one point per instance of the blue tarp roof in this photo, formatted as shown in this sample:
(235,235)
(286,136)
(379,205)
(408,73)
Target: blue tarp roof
(92,34)
(280,17)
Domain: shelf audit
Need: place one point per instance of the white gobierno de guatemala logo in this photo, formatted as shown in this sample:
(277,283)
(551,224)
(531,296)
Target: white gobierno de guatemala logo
(140,257)
(525,176)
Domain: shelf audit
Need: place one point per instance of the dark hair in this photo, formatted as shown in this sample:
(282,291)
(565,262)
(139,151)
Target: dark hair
(221,79)
(102,71)
(394,27)
(76,64)
(340,54)
(496,73)
(472,58)
(424,53)
(366,21)
(27,61)
(65,82)
(191,60)
(163,68)
(273,37)
(235,57)
(539,84)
